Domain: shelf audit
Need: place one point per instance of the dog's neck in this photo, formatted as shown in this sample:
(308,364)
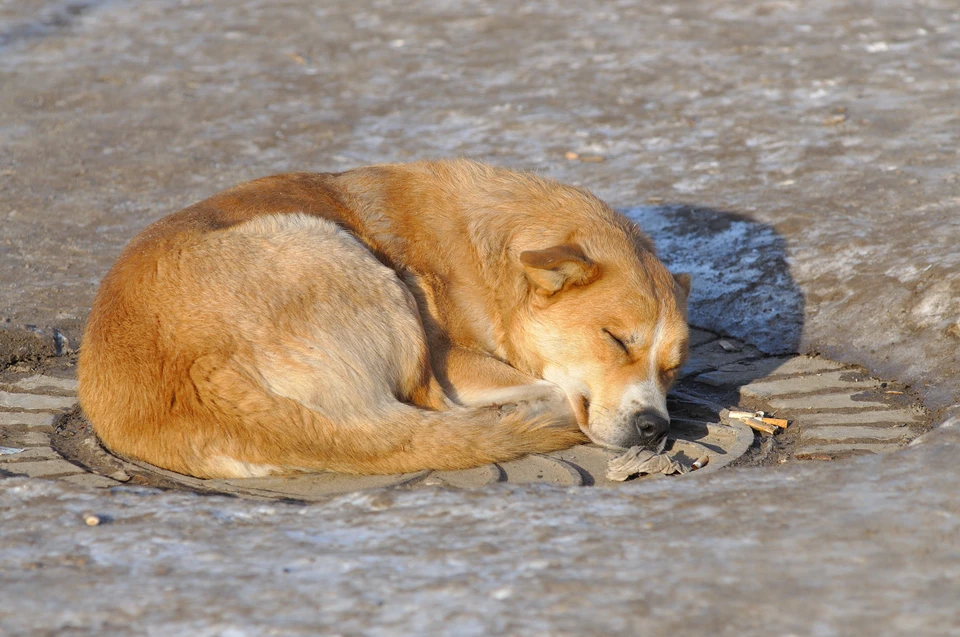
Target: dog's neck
(459,263)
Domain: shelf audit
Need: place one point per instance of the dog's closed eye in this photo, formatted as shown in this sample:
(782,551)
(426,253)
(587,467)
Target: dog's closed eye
(670,374)
(619,342)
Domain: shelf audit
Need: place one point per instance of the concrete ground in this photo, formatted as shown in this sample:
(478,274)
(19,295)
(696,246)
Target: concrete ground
(800,158)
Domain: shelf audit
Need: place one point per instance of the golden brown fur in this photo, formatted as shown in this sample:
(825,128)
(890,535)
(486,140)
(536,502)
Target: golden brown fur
(375,321)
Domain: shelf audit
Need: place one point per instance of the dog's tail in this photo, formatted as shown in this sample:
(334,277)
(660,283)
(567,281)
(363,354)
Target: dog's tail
(405,439)
(468,437)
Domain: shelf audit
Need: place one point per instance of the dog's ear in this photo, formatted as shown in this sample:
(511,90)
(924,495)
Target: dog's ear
(558,268)
(683,280)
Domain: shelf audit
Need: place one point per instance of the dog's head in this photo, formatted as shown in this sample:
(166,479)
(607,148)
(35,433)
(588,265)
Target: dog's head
(607,323)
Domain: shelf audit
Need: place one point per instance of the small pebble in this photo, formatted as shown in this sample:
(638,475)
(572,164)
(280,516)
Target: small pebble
(120,476)
(730,346)
(91,520)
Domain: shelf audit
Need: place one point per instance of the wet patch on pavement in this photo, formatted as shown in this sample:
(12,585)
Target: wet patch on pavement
(833,411)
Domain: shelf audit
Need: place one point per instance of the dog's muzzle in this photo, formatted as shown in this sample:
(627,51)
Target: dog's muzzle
(651,427)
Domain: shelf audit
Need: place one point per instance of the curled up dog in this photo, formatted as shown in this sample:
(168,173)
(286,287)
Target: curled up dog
(433,315)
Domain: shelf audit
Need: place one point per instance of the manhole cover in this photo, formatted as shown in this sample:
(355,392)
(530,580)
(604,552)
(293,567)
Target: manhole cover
(835,410)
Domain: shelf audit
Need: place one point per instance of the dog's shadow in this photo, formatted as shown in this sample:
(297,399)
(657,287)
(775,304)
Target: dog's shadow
(742,285)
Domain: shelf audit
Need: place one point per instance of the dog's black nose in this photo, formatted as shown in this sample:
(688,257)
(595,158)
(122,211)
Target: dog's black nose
(651,425)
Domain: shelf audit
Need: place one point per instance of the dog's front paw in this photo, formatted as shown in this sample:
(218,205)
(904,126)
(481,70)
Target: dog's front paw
(544,398)
(541,393)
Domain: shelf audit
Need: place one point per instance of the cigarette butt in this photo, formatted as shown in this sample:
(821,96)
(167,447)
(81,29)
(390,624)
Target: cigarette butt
(759,425)
(779,422)
(700,463)
(740,415)
(91,520)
